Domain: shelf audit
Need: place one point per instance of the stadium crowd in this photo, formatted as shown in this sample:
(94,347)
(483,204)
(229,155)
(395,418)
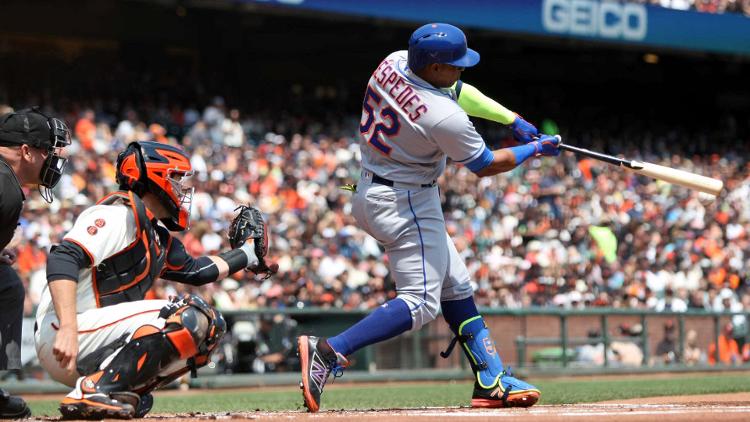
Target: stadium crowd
(704,6)
(563,232)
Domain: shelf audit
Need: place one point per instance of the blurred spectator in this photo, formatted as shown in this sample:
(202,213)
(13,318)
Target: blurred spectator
(276,344)
(729,353)
(263,345)
(667,351)
(628,352)
(591,354)
(619,353)
(709,6)
(213,117)
(669,303)
(740,321)
(674,4)
(693,354)
(233,133)
(85,130)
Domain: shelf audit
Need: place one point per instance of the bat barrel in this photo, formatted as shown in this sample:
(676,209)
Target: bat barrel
(680,177)
(667,174)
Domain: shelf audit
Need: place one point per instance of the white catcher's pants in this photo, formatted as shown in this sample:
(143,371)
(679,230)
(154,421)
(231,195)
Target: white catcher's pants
(96,328)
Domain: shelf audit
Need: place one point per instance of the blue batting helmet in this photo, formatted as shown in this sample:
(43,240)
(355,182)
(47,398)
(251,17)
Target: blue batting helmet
(440,43)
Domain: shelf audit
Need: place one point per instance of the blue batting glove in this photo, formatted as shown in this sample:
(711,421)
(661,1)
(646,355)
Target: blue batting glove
(547,145)
(523,131)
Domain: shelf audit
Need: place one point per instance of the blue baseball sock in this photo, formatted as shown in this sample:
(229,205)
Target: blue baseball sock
(456,312)
(389,320)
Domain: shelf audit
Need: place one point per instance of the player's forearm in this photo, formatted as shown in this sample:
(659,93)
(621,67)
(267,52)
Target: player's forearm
(64,299)
(503,160)
(222,267)
(232,261)
(508,158)
(237,259)
(476,104)
(208,269)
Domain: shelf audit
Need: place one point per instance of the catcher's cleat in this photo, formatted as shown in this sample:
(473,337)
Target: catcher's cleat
(508,392)
(144,405)
(317,360)
(12,407)
(96,406)
(141,403)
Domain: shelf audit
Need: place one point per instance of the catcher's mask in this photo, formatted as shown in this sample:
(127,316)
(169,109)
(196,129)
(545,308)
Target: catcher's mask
(34,128)
(162,170)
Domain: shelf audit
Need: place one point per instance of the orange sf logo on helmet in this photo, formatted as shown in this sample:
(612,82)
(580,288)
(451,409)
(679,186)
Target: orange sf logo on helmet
(160,169)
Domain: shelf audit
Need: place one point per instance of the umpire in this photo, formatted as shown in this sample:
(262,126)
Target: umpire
(30,147)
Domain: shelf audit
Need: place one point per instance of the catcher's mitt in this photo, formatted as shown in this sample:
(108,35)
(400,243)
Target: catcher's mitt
(249,224)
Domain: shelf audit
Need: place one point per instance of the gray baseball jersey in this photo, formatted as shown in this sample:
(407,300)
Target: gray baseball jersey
(409,127)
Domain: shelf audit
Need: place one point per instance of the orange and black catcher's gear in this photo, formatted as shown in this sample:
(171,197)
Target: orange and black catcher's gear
(127,275)
(159,169)
(191,331)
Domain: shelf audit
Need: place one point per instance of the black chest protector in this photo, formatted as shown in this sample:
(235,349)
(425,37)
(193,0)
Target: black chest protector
(127,275)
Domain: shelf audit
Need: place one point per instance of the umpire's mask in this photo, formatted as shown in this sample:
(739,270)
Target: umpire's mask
(32,127)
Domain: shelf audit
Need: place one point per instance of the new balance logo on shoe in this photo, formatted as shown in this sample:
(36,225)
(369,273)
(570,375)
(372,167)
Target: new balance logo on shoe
(318,371)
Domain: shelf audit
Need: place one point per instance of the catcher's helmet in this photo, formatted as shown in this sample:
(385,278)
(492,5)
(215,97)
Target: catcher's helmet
(160,169)
(440,43)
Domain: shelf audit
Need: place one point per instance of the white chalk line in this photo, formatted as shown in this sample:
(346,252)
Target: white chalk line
(590,410)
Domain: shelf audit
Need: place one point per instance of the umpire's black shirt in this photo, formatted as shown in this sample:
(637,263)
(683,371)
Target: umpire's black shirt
(11,203)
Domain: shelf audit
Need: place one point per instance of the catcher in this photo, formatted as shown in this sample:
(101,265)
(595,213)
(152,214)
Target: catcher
(94,331)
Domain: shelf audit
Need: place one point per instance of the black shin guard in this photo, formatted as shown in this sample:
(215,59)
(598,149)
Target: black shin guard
(137,363)
(191,332)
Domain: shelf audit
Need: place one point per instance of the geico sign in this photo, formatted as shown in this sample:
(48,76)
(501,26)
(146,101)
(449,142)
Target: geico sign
(593,18)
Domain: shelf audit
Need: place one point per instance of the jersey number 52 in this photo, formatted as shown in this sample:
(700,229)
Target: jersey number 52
(371,106)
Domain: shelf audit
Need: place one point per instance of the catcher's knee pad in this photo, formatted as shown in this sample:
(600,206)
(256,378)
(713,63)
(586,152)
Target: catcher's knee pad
(422,311)
(194,328)
(191,332)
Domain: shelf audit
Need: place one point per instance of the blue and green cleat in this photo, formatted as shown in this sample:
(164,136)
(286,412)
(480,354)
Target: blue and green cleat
(507,392)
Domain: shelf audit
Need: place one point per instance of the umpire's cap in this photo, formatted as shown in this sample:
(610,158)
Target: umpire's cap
(32,127)
(440,43)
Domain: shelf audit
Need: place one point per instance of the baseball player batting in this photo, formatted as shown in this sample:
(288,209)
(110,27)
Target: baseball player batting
(94,331)
(414,116)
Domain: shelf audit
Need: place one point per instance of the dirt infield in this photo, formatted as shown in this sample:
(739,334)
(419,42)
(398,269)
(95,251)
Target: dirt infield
(727,407)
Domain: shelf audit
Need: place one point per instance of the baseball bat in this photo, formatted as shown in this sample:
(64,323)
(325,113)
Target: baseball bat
(675,176)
